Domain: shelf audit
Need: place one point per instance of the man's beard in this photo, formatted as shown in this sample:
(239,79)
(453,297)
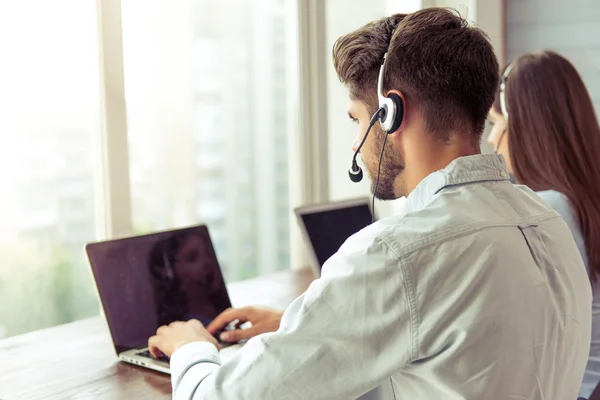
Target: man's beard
(392,164)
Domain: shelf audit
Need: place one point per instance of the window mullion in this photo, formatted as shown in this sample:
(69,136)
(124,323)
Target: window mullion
(113,181)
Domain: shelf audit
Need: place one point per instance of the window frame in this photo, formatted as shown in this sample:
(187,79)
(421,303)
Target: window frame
(307,122)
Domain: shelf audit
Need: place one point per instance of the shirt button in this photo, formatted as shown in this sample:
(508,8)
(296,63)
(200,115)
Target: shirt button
(503,174)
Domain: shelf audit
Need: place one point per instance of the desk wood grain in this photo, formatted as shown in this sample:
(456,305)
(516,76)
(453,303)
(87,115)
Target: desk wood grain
(77,360)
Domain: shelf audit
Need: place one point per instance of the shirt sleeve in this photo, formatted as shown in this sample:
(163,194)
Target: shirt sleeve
(348,333)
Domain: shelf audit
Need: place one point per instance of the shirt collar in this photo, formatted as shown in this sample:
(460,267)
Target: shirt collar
(463,170)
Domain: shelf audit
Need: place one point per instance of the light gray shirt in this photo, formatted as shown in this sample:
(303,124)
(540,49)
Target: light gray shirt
(476,291)
(561,204)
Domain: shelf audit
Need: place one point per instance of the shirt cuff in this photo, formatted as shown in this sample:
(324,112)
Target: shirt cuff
(193,353)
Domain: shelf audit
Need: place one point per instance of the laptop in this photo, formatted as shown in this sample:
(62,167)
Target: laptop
(148,281)
(326,226)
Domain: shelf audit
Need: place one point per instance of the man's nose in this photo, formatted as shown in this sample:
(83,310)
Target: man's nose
(356,143)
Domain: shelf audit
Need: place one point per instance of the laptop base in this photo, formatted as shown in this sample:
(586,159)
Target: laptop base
(132,356)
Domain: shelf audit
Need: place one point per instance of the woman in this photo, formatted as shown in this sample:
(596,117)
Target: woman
(187,279)
(545,126)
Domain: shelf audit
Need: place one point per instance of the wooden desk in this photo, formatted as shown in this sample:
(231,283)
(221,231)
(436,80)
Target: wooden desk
(77,360)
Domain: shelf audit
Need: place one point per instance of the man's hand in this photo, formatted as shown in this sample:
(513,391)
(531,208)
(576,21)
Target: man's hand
(169,339)
(262,319)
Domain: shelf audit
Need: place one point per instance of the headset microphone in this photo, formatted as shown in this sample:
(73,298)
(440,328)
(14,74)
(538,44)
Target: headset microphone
(355,172)
(389,114)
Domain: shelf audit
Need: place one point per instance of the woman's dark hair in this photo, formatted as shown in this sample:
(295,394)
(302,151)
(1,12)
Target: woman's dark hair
(554,138)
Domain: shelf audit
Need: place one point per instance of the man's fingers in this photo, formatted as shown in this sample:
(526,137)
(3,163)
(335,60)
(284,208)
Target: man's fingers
(239,323)
(241,334)
(227,316)
(161,330)
(195,323)
(154,346)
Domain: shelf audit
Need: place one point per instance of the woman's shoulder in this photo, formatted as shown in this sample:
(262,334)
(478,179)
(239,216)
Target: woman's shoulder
(557,201)
(561,204)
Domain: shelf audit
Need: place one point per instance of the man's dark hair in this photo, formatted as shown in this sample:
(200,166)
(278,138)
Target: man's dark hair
(442,65)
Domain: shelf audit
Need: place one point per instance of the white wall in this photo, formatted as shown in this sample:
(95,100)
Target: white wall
(571,28)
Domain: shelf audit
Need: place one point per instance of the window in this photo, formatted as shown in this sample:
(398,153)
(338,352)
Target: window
(205,93)
(209,89)
(49,116)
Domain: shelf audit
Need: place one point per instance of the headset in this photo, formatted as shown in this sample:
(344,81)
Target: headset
(390,115)
(503,105)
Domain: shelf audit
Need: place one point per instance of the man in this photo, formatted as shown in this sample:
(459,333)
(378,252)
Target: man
(476,291)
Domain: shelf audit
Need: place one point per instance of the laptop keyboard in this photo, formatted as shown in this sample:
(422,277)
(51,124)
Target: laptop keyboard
(166,359)
(147,354)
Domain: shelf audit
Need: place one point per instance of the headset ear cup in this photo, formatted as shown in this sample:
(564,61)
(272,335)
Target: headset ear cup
(399,114)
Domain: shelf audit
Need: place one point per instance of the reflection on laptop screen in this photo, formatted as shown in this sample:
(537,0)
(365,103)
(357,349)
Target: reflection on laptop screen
(327,230)
(148,281)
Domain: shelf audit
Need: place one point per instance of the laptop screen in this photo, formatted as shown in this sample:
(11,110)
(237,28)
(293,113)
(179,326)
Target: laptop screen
(152,280)
(328,229)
